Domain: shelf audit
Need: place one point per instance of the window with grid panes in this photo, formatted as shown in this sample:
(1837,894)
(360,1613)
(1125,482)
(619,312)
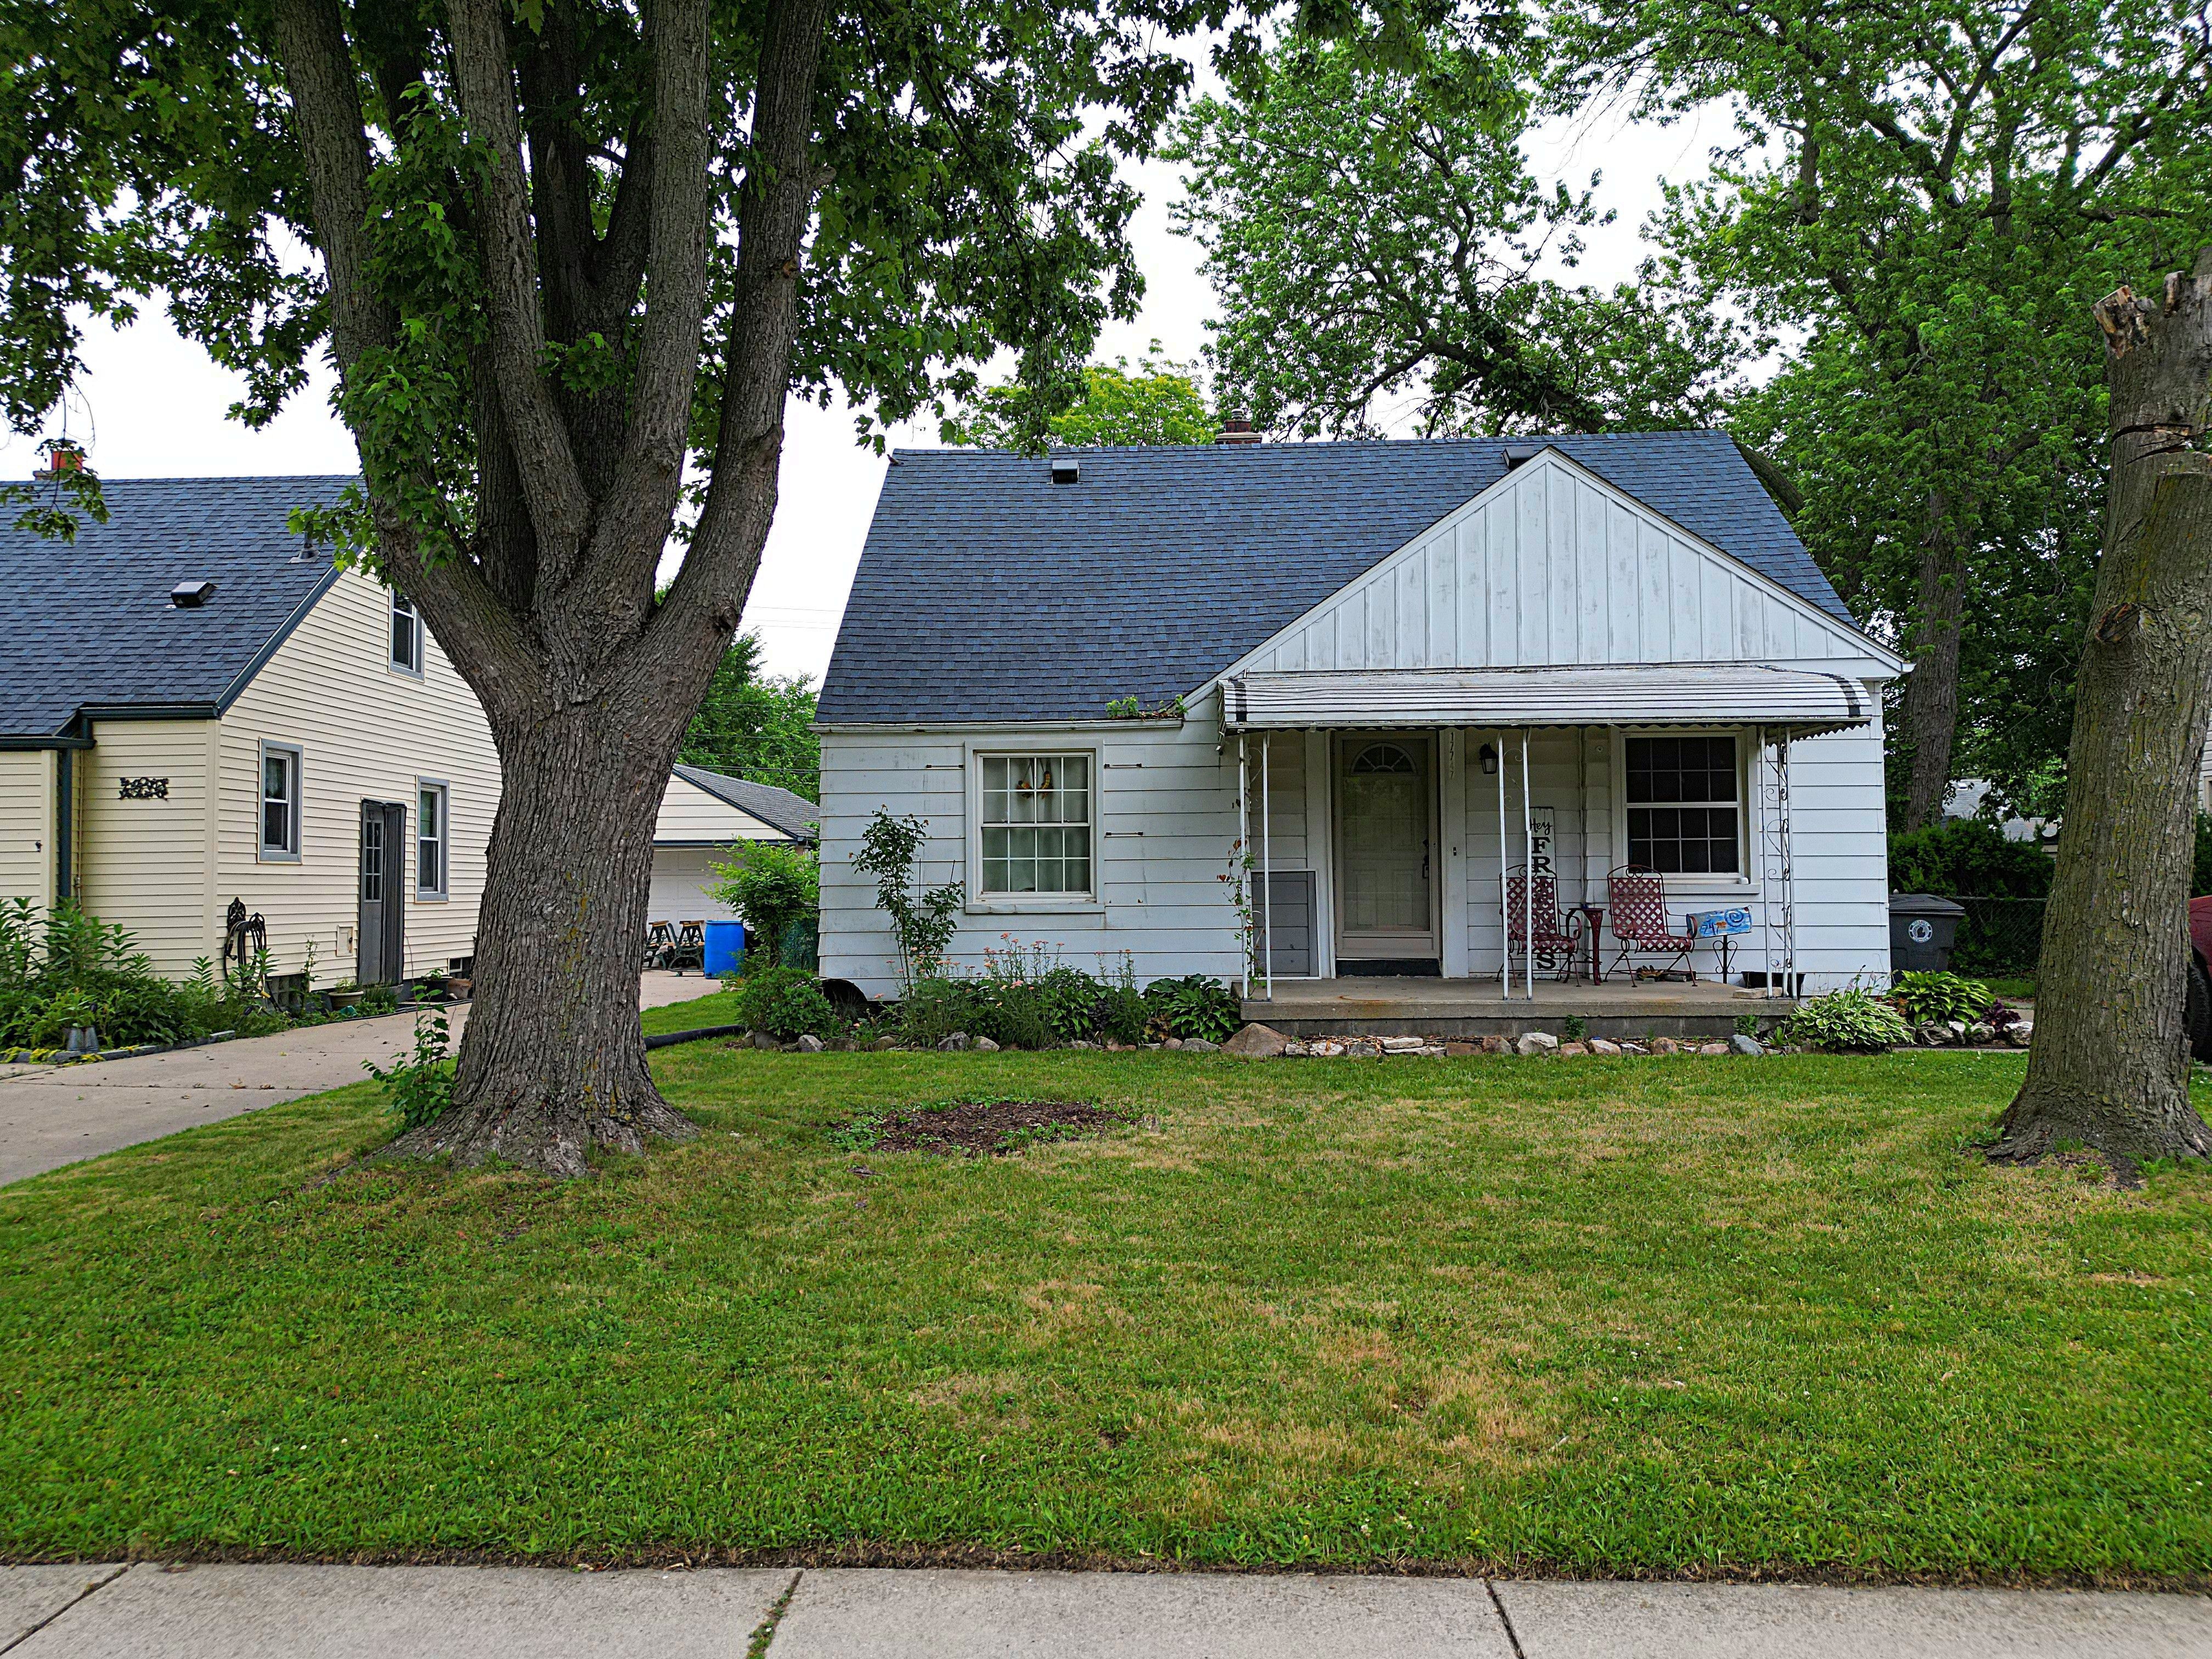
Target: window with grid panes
(1682,807)
(1036,823)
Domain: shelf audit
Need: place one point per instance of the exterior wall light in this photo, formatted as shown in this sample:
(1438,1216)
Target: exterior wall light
(1488,756)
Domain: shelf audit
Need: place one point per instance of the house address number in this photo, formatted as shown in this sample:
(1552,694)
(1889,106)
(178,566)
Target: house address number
(144,789)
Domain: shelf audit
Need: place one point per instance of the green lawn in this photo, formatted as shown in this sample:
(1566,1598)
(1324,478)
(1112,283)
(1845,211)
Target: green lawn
(1604,1314)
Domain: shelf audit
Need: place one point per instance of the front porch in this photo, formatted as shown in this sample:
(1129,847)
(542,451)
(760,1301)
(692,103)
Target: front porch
(1468,1008)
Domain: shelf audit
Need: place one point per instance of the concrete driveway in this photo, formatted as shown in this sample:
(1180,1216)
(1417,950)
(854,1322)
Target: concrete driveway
(50,1115)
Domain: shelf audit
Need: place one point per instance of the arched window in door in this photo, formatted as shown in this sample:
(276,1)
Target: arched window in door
(1382,759)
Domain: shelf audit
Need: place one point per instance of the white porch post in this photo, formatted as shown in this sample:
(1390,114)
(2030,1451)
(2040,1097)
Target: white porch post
(1528,872)
(1244,842)
(1504,917)
(1266,877)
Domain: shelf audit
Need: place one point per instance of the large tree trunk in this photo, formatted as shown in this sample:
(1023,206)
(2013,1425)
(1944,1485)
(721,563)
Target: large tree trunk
(1931,690)
(2110,1064)
(553,1060)
(586,675)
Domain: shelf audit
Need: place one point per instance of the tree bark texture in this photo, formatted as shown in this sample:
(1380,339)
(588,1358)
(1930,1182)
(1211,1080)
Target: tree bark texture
(587,678)
(2109,1067)
(1931,690)
(553,1060)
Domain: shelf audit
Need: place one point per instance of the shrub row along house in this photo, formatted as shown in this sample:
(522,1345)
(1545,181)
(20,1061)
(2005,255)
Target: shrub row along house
(1188,708)
(202,717)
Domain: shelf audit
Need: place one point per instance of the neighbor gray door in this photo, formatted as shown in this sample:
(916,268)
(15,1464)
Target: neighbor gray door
(380,948)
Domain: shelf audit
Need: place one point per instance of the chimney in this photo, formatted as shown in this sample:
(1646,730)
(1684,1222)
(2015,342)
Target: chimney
(1237,431)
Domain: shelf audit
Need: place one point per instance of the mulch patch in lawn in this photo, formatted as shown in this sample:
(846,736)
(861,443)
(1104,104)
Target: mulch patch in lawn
(969,1128)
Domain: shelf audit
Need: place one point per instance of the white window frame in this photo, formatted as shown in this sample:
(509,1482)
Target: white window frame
(983,904)
(401,606)
(265,851)
(1733,883)
(443,890)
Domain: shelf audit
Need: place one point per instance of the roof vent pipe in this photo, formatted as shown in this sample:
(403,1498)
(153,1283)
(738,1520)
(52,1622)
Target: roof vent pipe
(1237,430)
(1065,469)
(191,596)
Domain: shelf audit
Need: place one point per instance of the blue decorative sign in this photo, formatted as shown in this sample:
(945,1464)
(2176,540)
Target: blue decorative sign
(1713,924)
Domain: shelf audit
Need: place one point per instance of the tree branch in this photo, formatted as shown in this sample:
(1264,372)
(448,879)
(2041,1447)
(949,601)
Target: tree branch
(560,508)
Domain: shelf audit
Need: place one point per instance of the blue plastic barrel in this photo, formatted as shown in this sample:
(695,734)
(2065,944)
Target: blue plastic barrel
(726,944)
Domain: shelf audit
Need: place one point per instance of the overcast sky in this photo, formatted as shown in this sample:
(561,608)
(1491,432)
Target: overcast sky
(151,405)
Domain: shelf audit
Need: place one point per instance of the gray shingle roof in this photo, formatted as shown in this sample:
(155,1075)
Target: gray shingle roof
(984,591)
(91,624)
(795,815)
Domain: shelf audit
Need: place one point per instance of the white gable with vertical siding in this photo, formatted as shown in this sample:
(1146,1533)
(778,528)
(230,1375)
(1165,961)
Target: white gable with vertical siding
(1552,566)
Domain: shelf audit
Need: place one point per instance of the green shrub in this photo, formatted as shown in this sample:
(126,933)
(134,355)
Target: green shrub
(1968,857)
(1925,997)
(420,1089)
(774,889)
(1071,1001)
(786,1004)
(70,970)
(1845,1021)
(934,1008)
(1124,1015)
(2200,873)
(1196,1006)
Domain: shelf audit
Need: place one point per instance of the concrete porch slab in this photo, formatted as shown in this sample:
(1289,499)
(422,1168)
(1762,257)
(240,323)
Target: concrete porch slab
(1476,1007)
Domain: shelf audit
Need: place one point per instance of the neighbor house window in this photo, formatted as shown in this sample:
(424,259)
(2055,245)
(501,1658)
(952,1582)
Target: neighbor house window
(431,839)
(1036,823)
(406,635)
(280,801)
(1682,811)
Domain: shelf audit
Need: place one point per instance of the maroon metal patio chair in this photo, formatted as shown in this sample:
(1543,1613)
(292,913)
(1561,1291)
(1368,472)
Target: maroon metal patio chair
(1555,938)
(1637,899)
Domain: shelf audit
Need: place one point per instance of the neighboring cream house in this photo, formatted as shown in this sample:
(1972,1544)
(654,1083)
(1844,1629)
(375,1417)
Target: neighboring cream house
(700,815)
(195,708)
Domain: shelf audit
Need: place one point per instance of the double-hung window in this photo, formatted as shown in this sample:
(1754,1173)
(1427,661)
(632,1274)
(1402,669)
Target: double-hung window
(1683,815)
(280,801)
(406,634)
(431,840)
(1036,823)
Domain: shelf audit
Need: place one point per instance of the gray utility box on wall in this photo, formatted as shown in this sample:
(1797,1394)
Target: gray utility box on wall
(1921,929)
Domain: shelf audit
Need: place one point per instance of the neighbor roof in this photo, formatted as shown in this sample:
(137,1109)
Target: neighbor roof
(986,592)
(91,625)
(779,808)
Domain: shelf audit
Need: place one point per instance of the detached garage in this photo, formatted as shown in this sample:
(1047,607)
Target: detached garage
(702,814)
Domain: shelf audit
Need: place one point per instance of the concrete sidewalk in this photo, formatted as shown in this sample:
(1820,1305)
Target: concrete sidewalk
(446,1612)
(50,1115)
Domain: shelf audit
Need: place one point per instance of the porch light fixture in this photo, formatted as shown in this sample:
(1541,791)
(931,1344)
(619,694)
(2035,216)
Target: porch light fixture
(1488,756)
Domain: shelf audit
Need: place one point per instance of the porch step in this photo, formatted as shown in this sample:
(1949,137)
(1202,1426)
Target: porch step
(1445,1009)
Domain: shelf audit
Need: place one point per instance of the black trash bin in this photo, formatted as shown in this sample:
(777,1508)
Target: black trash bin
(1921,929)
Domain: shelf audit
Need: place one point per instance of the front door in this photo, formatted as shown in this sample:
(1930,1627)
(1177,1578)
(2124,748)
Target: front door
(1386,862)
(379,944)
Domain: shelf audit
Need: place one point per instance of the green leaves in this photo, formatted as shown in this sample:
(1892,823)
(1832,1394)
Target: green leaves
(1377,244)
(1160,402)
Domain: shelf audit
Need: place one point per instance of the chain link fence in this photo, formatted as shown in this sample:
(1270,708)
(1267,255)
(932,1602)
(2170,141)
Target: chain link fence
(1999,938)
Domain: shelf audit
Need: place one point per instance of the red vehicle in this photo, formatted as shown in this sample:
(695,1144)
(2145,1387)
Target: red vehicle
(2197,1015)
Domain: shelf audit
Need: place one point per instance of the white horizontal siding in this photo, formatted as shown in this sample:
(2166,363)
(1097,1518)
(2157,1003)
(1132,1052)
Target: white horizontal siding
(365,733)
(28,779)
(143,864)
(1167,818)
(689,813)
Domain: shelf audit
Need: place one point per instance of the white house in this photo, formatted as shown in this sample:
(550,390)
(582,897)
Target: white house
(197,710)
(1367,678)
(702,815)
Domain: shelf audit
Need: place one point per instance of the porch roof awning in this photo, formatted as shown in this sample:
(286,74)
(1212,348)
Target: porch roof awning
(1659,694)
